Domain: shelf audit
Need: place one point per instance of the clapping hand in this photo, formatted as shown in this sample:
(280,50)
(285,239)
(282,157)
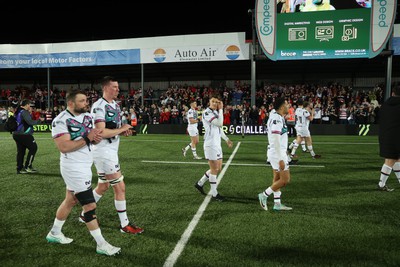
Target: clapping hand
(127,130)
(229,143)
(95,135)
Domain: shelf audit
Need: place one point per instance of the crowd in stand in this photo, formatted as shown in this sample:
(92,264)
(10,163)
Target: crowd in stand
(332,103)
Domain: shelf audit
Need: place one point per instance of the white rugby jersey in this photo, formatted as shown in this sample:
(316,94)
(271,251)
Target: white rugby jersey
(212,136)
(109,113)
(192,113)
(302,115)
(276,125)
(76,127)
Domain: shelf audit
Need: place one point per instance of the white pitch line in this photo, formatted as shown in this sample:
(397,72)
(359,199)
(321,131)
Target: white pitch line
(200,141)
(173,257)
(232,164)
(176,162)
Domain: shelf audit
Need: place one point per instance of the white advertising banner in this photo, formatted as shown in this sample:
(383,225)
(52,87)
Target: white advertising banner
(224,52)
(179,48)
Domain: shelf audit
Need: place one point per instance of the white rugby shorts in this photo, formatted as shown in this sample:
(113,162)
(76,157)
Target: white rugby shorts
(303,131)
(193,131)
(106,161)
(213,153)
(273,160)
(77,176)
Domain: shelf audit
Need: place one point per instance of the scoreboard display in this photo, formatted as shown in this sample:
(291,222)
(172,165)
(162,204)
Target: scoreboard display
(321,29)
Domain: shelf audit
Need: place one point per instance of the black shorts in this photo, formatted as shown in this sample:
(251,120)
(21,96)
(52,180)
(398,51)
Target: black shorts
(389,151)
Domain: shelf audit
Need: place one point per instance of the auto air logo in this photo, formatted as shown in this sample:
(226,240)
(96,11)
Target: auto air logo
(232,52)
(159,55)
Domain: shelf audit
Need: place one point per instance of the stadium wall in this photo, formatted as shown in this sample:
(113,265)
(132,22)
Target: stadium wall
(320,129)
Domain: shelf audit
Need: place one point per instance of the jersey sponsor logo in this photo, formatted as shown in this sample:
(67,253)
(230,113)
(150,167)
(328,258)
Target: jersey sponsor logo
(77,129)
(112,114)
(112,117)
(284,130)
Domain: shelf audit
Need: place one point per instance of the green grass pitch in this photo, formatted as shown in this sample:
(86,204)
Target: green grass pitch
(338,217)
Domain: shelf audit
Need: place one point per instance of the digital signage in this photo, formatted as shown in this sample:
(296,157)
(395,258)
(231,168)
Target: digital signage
(321,29)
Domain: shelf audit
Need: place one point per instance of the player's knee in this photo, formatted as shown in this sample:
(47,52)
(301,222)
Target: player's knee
(90,215)
(102,178)
(103,187)
(116,181)
(102,184)
(119,190)
(71,202)
(90,206)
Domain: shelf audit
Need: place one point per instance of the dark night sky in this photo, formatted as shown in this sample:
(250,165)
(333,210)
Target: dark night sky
(28,23)
(63,21)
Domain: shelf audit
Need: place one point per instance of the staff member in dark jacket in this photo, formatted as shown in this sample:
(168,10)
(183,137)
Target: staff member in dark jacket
(389,146)
(24,139)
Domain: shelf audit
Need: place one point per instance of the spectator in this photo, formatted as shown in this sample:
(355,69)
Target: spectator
(156,116)
(253,116)
(145,117)
(133,119)
(235,115)
(262,115)
(124,115)
(291,121)
(55,112)
(227,116)
(343,114)
(3,114)
(165,116)
(317,113)
(174,115)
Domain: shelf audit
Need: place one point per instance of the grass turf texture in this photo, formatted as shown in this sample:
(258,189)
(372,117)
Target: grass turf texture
(338,217)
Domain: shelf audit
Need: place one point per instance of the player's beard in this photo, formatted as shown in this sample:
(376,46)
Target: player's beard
(81,110)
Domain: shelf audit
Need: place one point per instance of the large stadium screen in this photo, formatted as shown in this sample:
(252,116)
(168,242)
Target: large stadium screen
(321,29)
